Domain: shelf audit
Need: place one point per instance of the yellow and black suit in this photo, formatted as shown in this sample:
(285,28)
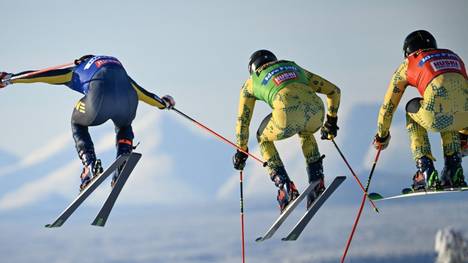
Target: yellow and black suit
(440,77)
(291,93)
(109,93)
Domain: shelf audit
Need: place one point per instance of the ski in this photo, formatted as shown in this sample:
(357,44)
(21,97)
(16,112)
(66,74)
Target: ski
(407,192)
(106,209)
(286,213)
(86,192)
(297,230)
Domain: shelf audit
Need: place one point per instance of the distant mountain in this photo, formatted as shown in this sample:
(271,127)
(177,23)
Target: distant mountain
(201,163)
(196,164)
(7,158)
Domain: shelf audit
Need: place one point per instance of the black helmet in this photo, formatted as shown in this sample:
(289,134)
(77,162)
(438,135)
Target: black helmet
(419,39)
(260,58)
(83,58)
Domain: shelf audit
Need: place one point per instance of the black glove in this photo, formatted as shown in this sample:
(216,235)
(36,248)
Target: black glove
(83,58)
(239,160)
(5,79)
(380,142)
(329,128)
(169,101)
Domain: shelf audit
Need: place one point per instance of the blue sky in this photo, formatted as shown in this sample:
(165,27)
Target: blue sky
(198,51)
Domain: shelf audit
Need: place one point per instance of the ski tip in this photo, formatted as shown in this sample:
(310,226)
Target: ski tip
(58,223)
(374,197)
(291,237)
(99,222)
(259,239)
(406,191)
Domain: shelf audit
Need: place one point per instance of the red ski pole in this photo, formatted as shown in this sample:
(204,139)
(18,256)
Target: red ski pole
(219,136)
(355,176)
(29,74)
(356,221)
(242,214)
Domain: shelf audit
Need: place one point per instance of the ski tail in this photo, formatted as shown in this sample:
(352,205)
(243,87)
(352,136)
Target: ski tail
(106,209)
(62,218)
(286,213)
(375,196)
(300,226)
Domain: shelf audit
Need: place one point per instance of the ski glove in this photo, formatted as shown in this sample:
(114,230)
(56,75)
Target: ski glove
(5,79)
(169,101)
(239,160)
(329,128)
(380,142)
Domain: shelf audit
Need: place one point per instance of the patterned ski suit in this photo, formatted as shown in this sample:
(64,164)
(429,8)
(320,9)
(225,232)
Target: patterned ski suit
(440,77)
(291,93)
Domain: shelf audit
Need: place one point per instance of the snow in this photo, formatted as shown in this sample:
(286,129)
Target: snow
(451,246)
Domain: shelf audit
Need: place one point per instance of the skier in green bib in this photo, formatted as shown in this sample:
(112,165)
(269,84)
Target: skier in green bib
(291,92)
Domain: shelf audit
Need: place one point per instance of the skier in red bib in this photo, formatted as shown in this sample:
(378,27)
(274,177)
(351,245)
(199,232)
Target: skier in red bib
(440,77)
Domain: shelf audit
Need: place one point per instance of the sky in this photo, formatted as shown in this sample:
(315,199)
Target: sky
(198,51)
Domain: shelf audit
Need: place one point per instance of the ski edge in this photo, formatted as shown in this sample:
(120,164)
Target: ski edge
(280,220)
(83,195)
(103,216)
(300,226)
(414,194)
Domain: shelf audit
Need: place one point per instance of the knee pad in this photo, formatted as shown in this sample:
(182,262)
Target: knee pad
(413,105)
(263,126)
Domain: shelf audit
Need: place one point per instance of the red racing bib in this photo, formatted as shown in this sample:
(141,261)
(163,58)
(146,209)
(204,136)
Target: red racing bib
(425,65)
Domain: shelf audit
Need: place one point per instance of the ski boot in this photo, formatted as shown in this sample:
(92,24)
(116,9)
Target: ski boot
(452,174)
(124,146)
(315,173)
(464,144)
(287,191)
(426,176)
(92,167)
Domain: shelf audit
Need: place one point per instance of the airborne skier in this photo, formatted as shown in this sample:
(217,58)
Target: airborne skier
(291,93)
(109,93)
(441,79)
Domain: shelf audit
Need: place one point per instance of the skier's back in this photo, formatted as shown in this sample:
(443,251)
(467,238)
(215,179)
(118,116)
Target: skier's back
(296,109)
(109,94)
(440,77)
